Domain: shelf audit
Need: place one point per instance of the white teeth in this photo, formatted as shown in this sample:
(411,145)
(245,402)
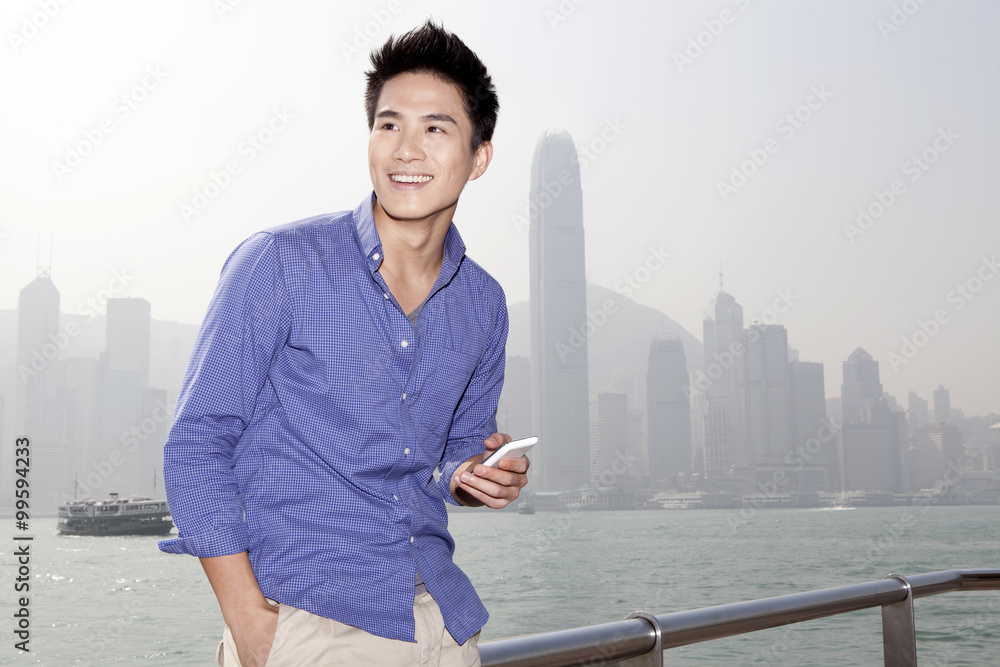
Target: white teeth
(404,178)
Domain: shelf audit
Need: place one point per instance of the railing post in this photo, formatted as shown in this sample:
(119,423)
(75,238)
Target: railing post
(899,632)
(655,656)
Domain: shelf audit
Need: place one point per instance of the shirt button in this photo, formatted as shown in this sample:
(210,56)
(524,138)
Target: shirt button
(404,396)
(411,539)
(395,497)
(404,343)
(385,295)
(406,451)
(375,256)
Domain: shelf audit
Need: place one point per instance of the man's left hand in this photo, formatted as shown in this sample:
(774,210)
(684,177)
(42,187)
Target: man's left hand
(474,484)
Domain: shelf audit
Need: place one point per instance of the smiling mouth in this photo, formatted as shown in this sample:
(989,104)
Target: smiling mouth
(410,178)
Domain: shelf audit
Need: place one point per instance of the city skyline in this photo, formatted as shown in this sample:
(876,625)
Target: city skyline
(84,406)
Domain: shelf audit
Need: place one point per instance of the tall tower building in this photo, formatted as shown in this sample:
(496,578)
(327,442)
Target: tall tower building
(41,415)
(126,400)
(608,438)
(668,409)
(942,405)
(764,397)
(128,335)
(38,352)
(721,328)
(558,314)
(916,411)
(937,453)
(861,383)
(810,435)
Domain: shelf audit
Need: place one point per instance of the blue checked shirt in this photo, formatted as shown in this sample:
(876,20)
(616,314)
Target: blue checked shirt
(313,416)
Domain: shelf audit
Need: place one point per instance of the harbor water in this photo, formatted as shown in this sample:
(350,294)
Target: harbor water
(119,601)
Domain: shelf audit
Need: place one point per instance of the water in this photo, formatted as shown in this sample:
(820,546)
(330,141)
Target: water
(119,601)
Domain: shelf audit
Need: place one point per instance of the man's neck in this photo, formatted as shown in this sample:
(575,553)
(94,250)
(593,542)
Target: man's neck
(413,252)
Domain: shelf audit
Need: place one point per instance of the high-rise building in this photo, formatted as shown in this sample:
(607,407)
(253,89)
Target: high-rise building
(126,403)
(128,334)
(866,457)
(514,410)
(812,441)
(722,328)
(668,409)
(764,398)
(42,416)
(558,316)
(635,393)
(916,411)
(38,352)
(608,438)
(861,383)
(942,405)
(937,453)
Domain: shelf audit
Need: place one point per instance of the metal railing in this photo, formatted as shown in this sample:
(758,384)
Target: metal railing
(641,638)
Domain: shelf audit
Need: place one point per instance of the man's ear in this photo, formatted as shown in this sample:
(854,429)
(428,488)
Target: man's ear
(484,154)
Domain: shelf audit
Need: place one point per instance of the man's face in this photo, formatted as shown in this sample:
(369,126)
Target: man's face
(419,152)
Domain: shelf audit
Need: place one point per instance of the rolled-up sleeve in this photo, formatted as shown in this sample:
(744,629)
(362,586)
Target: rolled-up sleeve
(246,325)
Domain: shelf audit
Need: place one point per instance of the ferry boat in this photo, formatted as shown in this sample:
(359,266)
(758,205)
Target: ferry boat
(115,516)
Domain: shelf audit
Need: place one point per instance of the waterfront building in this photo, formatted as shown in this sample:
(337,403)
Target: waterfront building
(814,443)
(937,455)
(763,398)
(916,411)
(942,405)
(721,330)
(668,410)
(861,383)
(558,304)
(609,439)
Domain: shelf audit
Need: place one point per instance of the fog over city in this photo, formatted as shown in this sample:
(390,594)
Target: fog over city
(836,159)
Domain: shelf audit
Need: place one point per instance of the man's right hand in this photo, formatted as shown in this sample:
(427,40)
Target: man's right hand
(253,634)
(250,617)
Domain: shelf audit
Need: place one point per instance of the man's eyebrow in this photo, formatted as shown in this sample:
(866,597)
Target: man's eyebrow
(440,117)
(436,117)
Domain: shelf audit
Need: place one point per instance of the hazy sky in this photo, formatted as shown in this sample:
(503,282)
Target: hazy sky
(116,113)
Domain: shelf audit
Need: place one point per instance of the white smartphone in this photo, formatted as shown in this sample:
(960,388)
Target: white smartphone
(513,450)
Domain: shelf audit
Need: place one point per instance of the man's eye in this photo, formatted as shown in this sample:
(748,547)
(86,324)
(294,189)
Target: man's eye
(388,126)
(435,128)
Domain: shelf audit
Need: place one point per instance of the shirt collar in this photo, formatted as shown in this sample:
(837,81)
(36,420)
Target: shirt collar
(371,246)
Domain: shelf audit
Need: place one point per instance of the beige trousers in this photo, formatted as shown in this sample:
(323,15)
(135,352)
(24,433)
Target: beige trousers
(303,639)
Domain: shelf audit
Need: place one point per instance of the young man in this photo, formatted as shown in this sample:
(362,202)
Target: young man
(343,360)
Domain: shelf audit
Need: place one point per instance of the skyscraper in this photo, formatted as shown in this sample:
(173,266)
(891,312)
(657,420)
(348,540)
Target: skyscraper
(668,409)
(937,451)
(608,438)
(861,383)
(128,332)
(869,446)
(721,328)
(916,411)
(763,397)
(38,352)
(126,402)
(558,316)
(42,415)
(942,405)
(810,441)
